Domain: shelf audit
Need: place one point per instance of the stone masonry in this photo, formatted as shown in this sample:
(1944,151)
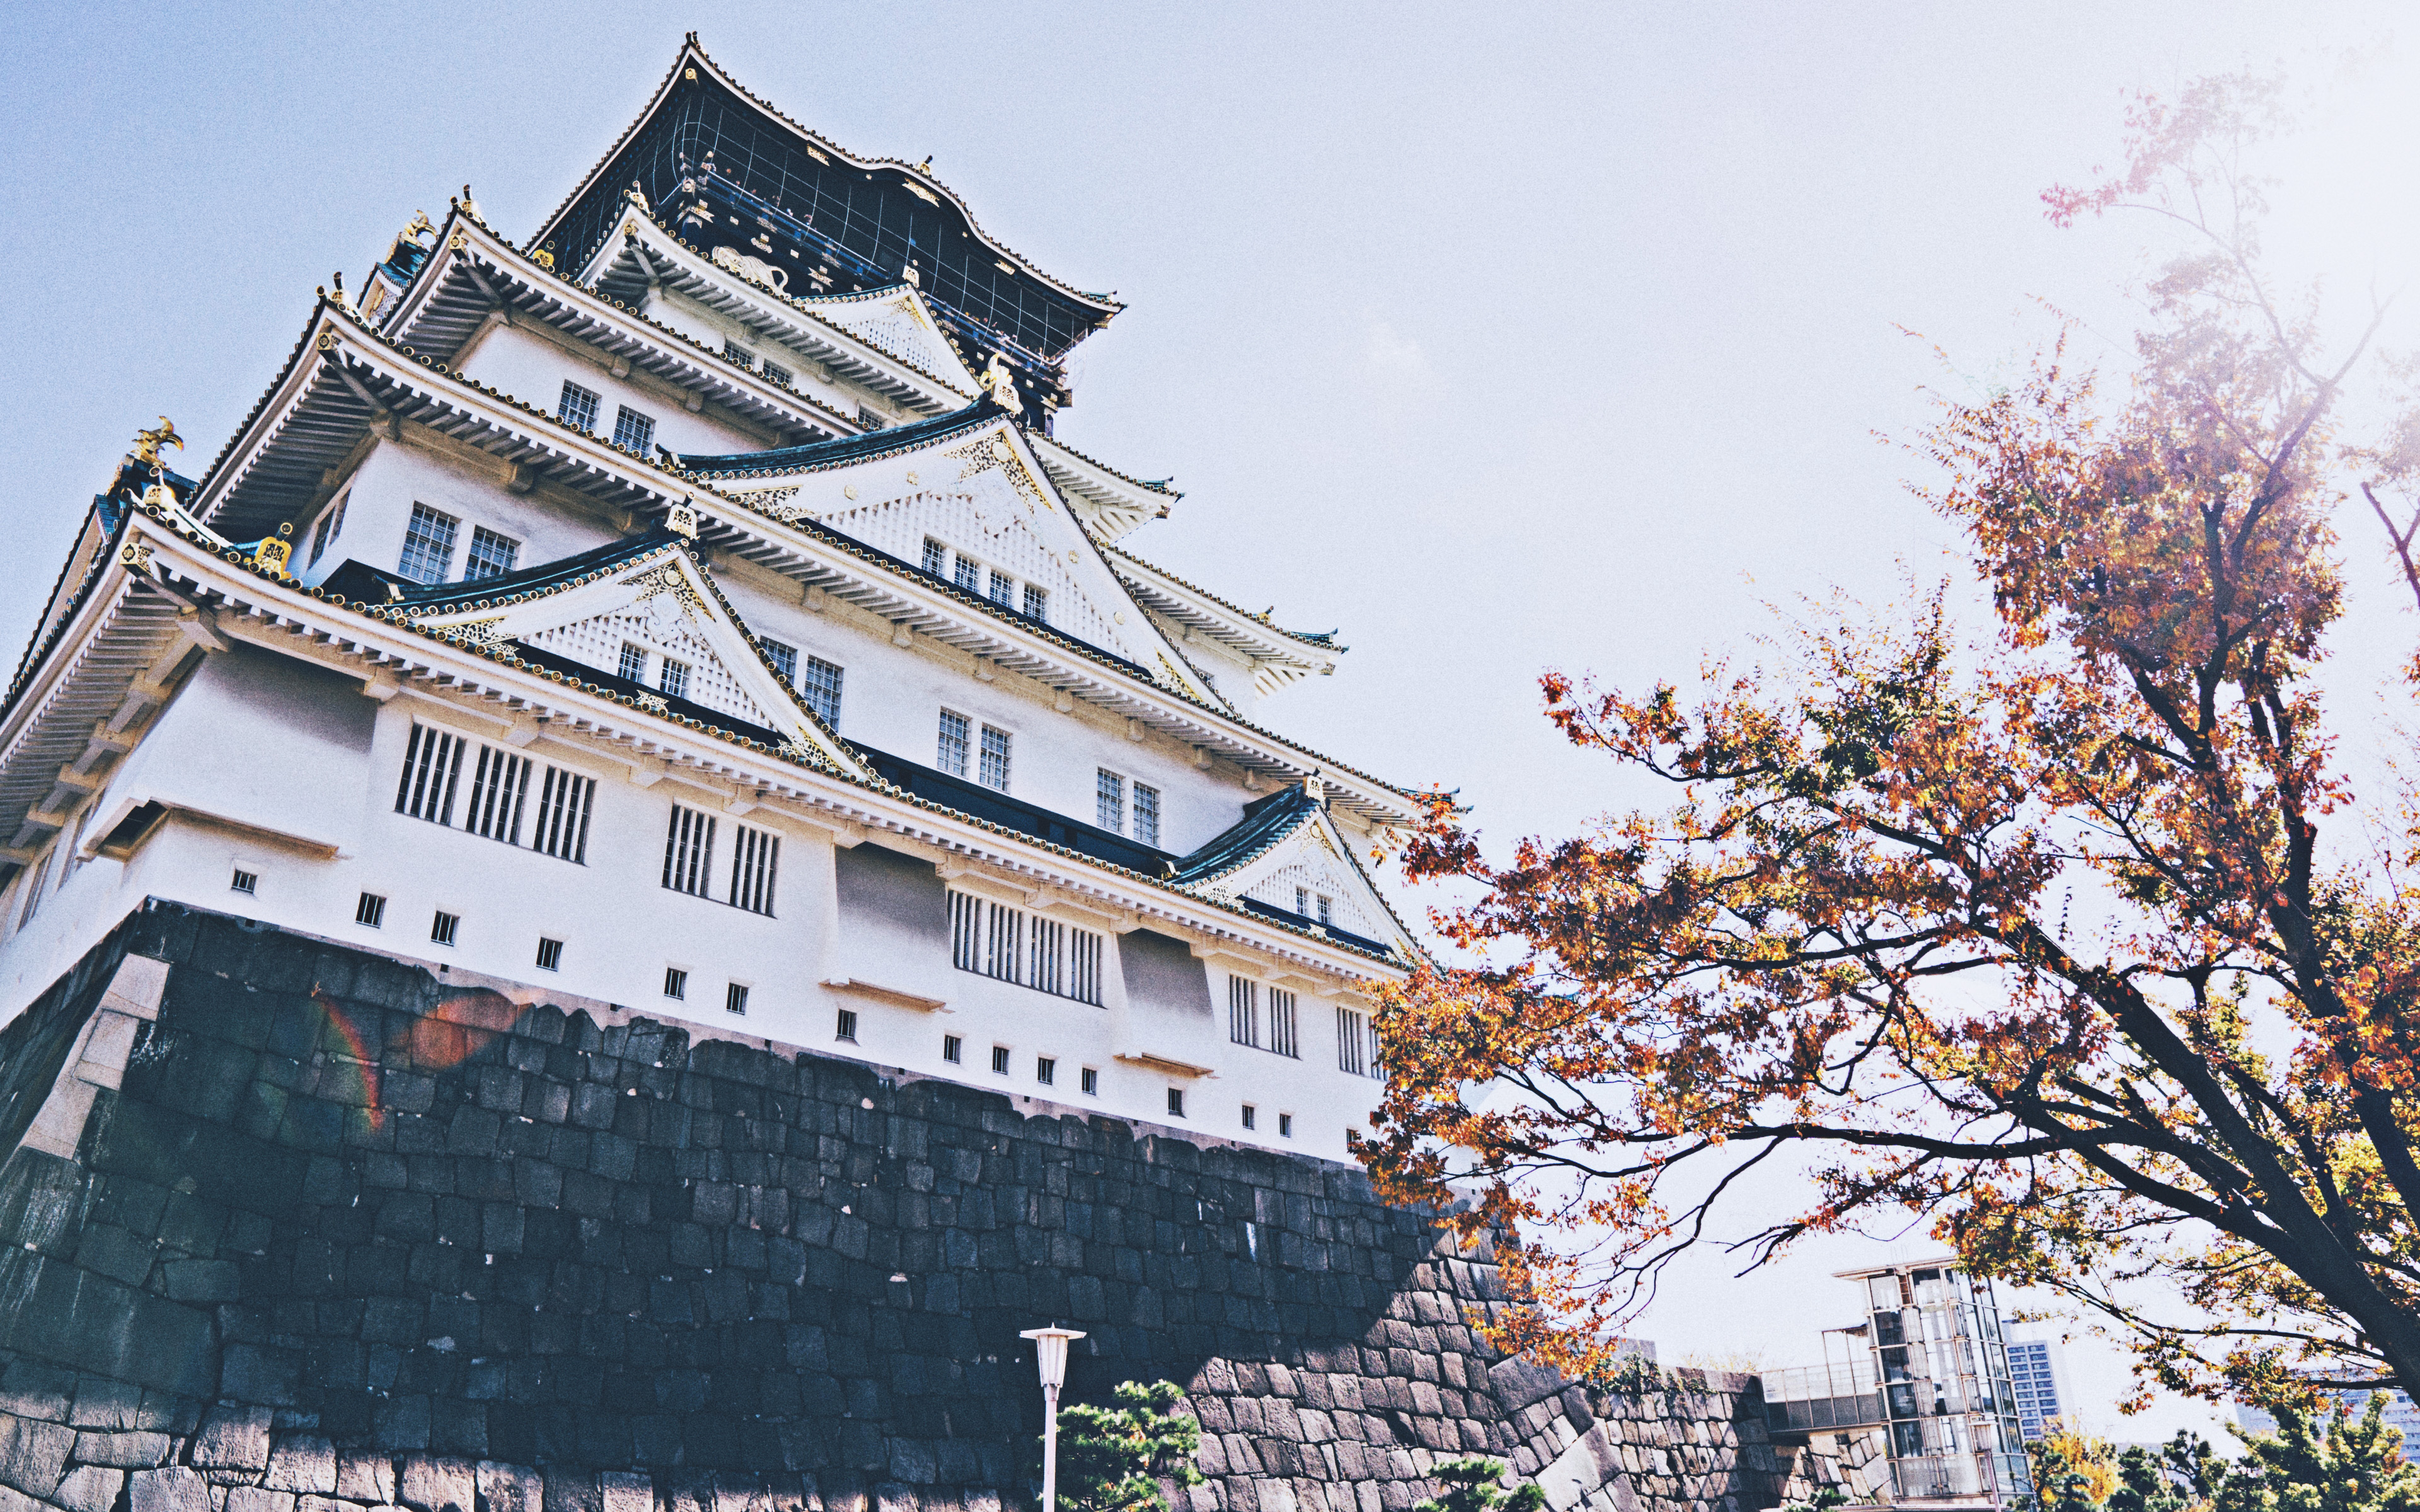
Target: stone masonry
(286,1227)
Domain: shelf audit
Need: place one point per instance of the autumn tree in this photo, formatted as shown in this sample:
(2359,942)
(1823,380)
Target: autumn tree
(2064,937)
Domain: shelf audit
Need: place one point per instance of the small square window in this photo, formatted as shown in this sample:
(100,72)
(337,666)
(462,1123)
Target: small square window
(1285,1126)
(735,353)
(673,678)
(633,431)
(735,998)
(1176,1101)
(1000,1060)
(578,407)
(492,555)
(1251,1116)
(868,419)
(937,558)
(1045,1071)
(550,955)
(1037,602)
(776,372)
(442,928)
(845,1028)
(244,881)
(675,983)
(371,911)
(1092,1080)
(634,663)
(953,1049)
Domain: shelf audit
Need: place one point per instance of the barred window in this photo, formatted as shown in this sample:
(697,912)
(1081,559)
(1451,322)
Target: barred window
(1302,902)
(734,352)
(499,790)
(1327,910)
(1045,1070)
(1146,809)
(994,772)
(634,663)
(559,827)
(492,555)
(784,660)
(1037,602)
(1110,800)
(371,911)
(820,687)
(1356,1044)
(633,431)
(578,406)
(1004,589)
(432,766)
(1243,1011)
(937,558)
(428,546)
(868,419)
(755,856)
(673,677)
(1285,1037)
(443,929)
(550,955)
(779,374)
(951,755)
(675,983)
(332,522)
(688,852)
(970,575)
(1005,943)
(735,998)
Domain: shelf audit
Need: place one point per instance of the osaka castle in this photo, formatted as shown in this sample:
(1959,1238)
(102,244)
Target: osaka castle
(688,612)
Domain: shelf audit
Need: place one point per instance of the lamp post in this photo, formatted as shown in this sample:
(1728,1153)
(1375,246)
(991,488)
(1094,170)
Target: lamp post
(1050,1357)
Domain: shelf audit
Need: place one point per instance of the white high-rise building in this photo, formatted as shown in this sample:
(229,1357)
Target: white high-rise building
(691,610)
(2038,1370)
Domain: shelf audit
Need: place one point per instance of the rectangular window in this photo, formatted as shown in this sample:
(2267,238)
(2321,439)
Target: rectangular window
(1176,1101)
(844,1025)
(784,660)
(578,407)
(1045,1071)
(1004,943)
(244,882)
(1251,1116)
(675,983)
(970,575)
(1092,1081)
(1243,1011)
(1004,589)
(550,955)
(499,790)
(819,685)
(442,928)
(1000,1060)
(994,772)
(1146,828)
(332,521)
(673,677)
(1352,1055)
(1285,1033)
(953,1049)
(867,419)
(1327,910)
(734,352)
(1285,1126)
(371,911)
(559,827)
(1110,800)
(432,764)
(755,856)
(951,756)
(428,546)
(688,852)
(734,999)
(1037,602)
(492,555)
(635,664)
(633,431)
(937,558)
(1302,902)
(779,374)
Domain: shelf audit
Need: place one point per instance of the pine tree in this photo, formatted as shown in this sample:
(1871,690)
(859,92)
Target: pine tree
(1476,1484)
(1113,1459)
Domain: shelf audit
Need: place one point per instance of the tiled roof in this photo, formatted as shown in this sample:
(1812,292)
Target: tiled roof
(873,444)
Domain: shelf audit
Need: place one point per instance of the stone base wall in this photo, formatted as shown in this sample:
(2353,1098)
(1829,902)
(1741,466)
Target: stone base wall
(289,1227)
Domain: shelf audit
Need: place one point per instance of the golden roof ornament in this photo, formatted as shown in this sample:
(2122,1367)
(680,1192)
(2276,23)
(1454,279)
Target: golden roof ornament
(147,443)
(681,519)
(274,551)
(420,224)
(1001,385)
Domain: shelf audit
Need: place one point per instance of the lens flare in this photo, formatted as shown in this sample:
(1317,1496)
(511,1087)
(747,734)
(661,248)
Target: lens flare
(459,1027)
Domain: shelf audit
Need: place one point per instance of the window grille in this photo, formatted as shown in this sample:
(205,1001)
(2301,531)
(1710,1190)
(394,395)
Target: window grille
(1004,589)
(371,911)
(951,756)
(937,558)
(1251,1116)
(499,790)
(779,374)
(1176,1101)
(1091,1078)
(633,431)
(673,678)
(432,764)
(675,983)
(634,663)
(578,407)
(1037,602)
(550,955)
(1327,910)
(428,546)
(1285,1126)
(244,882)
(1357,1044)
(688,852)
(868,419)
(1146,809)
(332,522)
(734,999)
(1110,800)
(560,825)
(1285,1029)
(1243,1011)
(738,354)
(784,660)
(1000,1060)
(995,940)
(755,856)
(845,1026)
(442,928)
(953,1049)
(820,687)
(970,575)
(1302,902)
(492,555)
(1045,1071)
(994,772)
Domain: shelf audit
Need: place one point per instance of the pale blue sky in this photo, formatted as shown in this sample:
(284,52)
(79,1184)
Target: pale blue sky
(1502,337)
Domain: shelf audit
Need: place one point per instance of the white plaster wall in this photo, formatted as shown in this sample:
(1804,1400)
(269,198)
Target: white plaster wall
(398,474)
(533,369)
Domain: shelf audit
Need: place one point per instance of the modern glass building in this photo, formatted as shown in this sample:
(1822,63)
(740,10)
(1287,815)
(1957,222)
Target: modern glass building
(2038,1370)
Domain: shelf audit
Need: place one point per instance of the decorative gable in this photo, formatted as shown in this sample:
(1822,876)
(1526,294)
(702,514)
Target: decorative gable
(1288,857)
(898,323)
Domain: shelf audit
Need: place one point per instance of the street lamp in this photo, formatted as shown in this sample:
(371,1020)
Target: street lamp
(1050,1356)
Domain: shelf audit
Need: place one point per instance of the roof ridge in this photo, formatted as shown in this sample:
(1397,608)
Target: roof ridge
(1307,638)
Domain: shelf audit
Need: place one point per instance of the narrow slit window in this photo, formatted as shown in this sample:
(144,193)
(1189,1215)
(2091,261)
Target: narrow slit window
(844,1025)
(428,546)
(953,1049)
(1110,800)
(492,555)
(1285,1126)
(1176,1101)
(1327,910)
(578,407)
(1000,1060)
(688,852)
(1045,1071)
(633,431)
(1353,1056)
(950,755)
(1146,814)
(1251,1116)
(994,773)
(1092,1081)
